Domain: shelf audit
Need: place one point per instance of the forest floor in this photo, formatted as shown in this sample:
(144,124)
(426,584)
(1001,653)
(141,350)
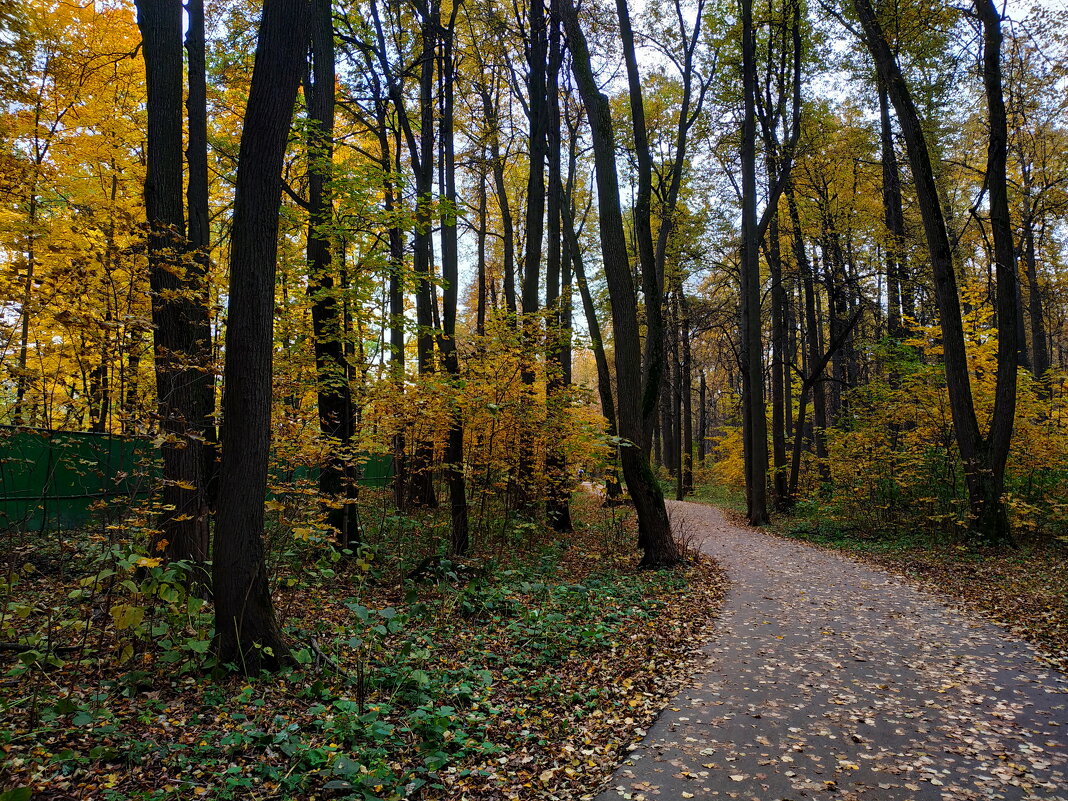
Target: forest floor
(526,672)
(828,679)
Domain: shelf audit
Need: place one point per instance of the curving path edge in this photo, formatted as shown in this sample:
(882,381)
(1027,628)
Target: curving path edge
(828,679)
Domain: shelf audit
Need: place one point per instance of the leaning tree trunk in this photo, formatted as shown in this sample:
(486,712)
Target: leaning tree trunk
(983,460)
(654,529)
(246,631)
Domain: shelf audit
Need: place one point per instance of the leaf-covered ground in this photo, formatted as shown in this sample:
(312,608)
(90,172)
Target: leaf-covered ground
(1024,589)
(520,678)
(832,681)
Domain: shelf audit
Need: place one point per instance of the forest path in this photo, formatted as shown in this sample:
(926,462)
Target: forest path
(831,680)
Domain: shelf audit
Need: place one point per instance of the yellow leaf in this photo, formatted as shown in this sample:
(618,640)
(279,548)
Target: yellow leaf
(127,615)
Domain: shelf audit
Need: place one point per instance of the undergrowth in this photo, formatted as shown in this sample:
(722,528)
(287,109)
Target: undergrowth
(529,667)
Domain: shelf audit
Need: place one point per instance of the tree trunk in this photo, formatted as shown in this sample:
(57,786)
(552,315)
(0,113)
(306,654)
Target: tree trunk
(558,498)
(702,420)
(893,218)
(1040,361)
(755,428)
(421,474)
(654,530)
(182,340)
(779,377)
(983,465)
(337,481)
(535,229)
(247,634)
(199,215)
(991,516)
(480,255)
(687,394)
(459,541)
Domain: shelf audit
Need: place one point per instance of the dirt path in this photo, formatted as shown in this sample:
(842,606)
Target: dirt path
(830,680)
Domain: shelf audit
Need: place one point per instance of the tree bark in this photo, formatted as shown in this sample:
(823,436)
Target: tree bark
(337,481)
(459,541)
(247,634)
(182,339)
(654,530)
(558,498)
(755,421)
(983,460)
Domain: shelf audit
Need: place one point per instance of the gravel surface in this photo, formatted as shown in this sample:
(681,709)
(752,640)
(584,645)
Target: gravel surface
(828,679)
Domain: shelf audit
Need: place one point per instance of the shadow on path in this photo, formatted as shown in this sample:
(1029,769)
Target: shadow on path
(830,680)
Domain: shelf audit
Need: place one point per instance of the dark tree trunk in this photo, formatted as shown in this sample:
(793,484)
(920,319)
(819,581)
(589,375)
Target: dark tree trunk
(687,394)
(991,516)
(667,420)
(459,542)
(336,480)
(654,530)
(535,229)
(652,280)
(894,220)
(199,215)
(182,339)
(779,358)
(1040,360)
(247,634)
(396,301)
(558,499)
(983,460)
(755,421)
(480,258)
(702,420)
(421,473)
(503,205)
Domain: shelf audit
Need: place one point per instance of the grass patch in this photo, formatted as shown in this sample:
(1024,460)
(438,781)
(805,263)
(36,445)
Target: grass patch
(719,495)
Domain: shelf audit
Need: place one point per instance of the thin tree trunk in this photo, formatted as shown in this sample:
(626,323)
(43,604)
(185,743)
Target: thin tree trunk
(558,499)
(687,394)
(199,215)
(755,428)
(336,480)
(481,233)
(702,421)
(459,542)
(893,219)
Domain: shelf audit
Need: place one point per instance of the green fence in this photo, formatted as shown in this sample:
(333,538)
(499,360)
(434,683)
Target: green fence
(54,479)
(57,479)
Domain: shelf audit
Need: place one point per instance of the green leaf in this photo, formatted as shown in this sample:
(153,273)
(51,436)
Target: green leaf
(17,794)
